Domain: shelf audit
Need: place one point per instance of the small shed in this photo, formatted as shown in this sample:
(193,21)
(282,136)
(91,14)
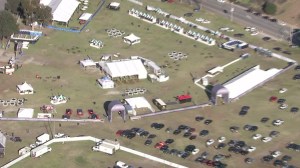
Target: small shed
(85,16)
(25,88)
(106,83)
(132,39)
(25,112)
(88,63)
(114,6)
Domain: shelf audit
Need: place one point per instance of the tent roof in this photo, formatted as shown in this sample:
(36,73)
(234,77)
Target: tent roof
(132,37)
(247,80)
(62,10)
(25,86)
(87,62)
(139,102)
(115,105)
(25,112)
(85,16)
(124,68)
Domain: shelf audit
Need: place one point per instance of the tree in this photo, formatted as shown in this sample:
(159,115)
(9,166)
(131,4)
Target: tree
(8,25)
(42,14)
(269,8)
(13,6)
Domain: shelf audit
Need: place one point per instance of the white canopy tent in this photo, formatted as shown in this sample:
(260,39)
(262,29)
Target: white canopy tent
(25,88)
(124,68)
(85,16)
(248,80)
(25,112)
(114,5)
(87,63)
(106,83)
(62,10)
(132,39)
(139,102)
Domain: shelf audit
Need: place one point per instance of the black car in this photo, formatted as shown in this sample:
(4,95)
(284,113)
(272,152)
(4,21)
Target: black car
(204,155)
(286,52)
(266,38)
(190,148)
(173,151)
(278,163)
(169,141)
(257,13)
(249,160)
(192,137)
(148,142)
(204,133)
(239,35)
(208,121)
(274,134)
(273,20)
(234,129)
(264,119)
(144,134)
(168,130)
(242,113)
(187,134)
(183,127)
(220,146)
(281,101)
(16,139)
(185,155)
(135,129)
(294,109)
(199,118)
(242,152)
(297,67)
(296,77)
(165,147)
(157,126)
(267,158)
(286,158)
(151,136)
(176,132)
(188,14)
(130,135)
(265,17)
(199,159)
(277,48)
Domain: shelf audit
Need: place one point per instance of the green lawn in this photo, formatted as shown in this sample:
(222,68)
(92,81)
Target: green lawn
(58,53)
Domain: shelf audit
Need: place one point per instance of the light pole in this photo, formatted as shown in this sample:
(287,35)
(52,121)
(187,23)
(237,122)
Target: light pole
(231,12)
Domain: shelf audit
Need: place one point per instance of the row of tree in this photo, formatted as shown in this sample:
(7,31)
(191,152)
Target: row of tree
(30,11)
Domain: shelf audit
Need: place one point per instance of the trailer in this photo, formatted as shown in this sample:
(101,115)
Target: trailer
(106,148)
(42,139)
(40,150)
(115,144)
(24,150)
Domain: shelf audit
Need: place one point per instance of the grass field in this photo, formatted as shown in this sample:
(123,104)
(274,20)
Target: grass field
(57,54)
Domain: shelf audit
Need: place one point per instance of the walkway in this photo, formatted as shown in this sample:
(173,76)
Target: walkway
(52,119)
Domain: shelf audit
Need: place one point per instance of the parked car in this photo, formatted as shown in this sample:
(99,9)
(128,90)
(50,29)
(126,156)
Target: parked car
(168,130)
(239,35)
(190,148)
(282,90)
(208,121)
(234,129)
(148,142)
(16,139)
(192,137)
(176,132)
(283,106)
(187,134)
(281,101)
(210,142)
(220,146)
(251,148)
(157,126)
(221,139)
(204,133)
(249,160)
(256,136)
(264,119)
(277,122)
(275,154)
(159,144)
(199,118)
(169,141)
(274,134)
(151,136)
(195,151)
(294,109)
(266,139)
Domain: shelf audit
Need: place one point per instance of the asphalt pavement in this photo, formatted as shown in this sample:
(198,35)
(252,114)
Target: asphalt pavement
(240,15)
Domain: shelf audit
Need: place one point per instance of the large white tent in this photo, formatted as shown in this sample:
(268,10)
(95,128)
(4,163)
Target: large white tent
(87,63)
(25,88)
(132,39)
(25,113)
(138,103)
(248,80)
(124,68)
(62,10)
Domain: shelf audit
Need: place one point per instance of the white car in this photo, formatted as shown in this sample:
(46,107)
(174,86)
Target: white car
(32,146)
(222,1)
(275,154)
(226,29)
(254,33)
(121,164)
(278,122)
(266,139)
(283,90)
(210,142)
(96,148)
(256,136)
(283,106)
(221,139)
(195,151)
(59,135)
(251,149)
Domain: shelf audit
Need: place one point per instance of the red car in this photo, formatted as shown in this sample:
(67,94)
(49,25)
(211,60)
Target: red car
(119,132)
(68,111)
(273,99)
(159,145)
(90,111)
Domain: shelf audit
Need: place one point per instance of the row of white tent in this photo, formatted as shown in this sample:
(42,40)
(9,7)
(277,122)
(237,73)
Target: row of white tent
(142,15)
(197,35)
(170,25)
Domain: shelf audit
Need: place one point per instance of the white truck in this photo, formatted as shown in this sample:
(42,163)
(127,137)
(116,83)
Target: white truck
(24,150)
(39,151)
(42,139)
(106,148)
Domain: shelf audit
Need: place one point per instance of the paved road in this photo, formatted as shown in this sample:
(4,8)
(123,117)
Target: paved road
(241,16)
